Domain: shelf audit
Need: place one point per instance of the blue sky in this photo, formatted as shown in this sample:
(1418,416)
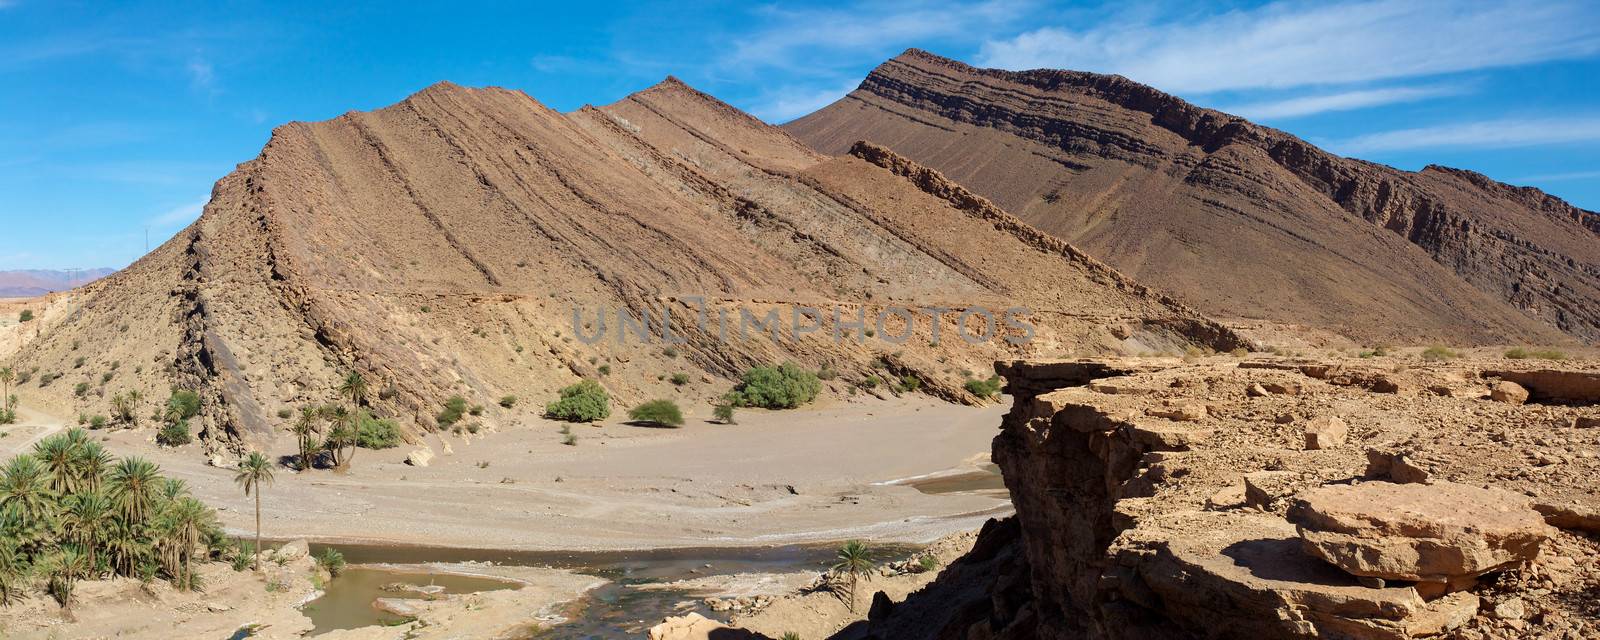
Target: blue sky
(118,117)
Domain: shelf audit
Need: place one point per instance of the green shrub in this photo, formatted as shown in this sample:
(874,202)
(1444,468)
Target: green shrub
(25,316)
(723,413)
(106,377)
(783,387)
(1436,353)
(927,563)
(570,440)
(605,369)
(662,412)
(508,401)
(585,401)
(1520,353)
(77,363)
(670,352)
(870,382)
(454,408)
(183,404)
(97,422)
(377,434)
(680,379)
(910,383)
(332,561)
(172,434)
(80,389)
(283,414)
(476,410)
(826,373)
(984,388)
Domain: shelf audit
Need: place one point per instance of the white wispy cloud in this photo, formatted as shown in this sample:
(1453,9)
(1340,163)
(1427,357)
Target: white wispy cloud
(788,103)
(794,38)
(1560,177)
(177,216)
(1483,134)
(1342,101)
(1294,44)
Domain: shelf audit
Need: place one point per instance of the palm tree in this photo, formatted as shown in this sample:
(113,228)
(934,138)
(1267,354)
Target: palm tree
(254,472)
(854,559)
(126,547)
(7,376)
(305,431)
(134,483)
(354,388)
(65,567)
(342,434)
(93,462)
(188,519)
(11,571)
(125,406)
(59,456)
(24,489)
(88,520)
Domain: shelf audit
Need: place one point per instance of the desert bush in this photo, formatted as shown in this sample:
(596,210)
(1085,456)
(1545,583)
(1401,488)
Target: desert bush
(724,413)
(106,377)
(826,373)
(662,412)
(570,440)
(984,388)
(680,379)
(373,433)
(910,383)
(508,401)
(585,401)
(870,382)
(77,363)
(331,561)
(454,408)
(25,316)
(1520,353)
(927,563)
(183,404)
(605,369)
(1436,353)
(80,389)
(476,410)
(783,387)
(174,434)
(284,414)
(670,352)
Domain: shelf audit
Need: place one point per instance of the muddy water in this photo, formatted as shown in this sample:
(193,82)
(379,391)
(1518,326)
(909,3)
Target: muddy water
(986,480)
(347,604)
(614,611)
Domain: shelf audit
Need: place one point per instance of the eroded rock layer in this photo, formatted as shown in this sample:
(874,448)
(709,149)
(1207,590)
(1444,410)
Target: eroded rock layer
(467,241)
(1240,220)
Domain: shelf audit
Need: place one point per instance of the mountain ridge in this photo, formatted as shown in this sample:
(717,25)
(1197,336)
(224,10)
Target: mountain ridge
(1110,165)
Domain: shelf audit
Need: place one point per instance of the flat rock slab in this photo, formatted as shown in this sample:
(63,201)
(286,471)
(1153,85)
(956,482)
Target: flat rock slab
(1436,532)
(1250,573)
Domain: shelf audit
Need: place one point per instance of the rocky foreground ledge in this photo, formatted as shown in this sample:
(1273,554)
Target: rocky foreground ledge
(1277,498)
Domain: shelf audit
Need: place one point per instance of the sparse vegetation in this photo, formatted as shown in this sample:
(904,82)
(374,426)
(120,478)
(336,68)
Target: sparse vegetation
(680,379)
(570,440)
(1519,353)
(81,389)
(605,369)
(909,383)
(97,422)
(927,563)
(173,434)
(374,433)
(331,561)
(125,407)
(870,382)
(987,389)
(585,401)
(508,401)
(662,412)
(454,408)
(182,405)
(25,316)
(782,387)
(1438,353)
(723,413)
(8,411)
(476,410)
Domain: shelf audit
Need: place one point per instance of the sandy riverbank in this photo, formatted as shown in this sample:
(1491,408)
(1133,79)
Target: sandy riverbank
(775,478)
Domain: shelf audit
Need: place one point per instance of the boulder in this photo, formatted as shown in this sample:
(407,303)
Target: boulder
(1508,392)
(397,606)
(1436,532)
(1326,432)
(293,550)
(693,626)
(1394,466)
(420,457)
(1284,388)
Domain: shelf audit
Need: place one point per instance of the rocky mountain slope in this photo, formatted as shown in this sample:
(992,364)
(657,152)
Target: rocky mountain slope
(1239,220)
(26,283)
(466,241)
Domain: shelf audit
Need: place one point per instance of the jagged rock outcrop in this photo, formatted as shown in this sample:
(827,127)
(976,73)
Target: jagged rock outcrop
(1134,522)
(467,241)
(1239,220)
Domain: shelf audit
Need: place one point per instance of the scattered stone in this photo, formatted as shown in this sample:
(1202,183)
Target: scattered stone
(1263,489)
(1255,390)
(1433,533)
(1181,412)
(1395,467)
(1326,432)
(1282,388)
(293,550)
(1513,609)
(1508,392)
(420,457)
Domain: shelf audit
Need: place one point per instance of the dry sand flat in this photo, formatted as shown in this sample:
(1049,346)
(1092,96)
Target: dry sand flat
(775,478)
